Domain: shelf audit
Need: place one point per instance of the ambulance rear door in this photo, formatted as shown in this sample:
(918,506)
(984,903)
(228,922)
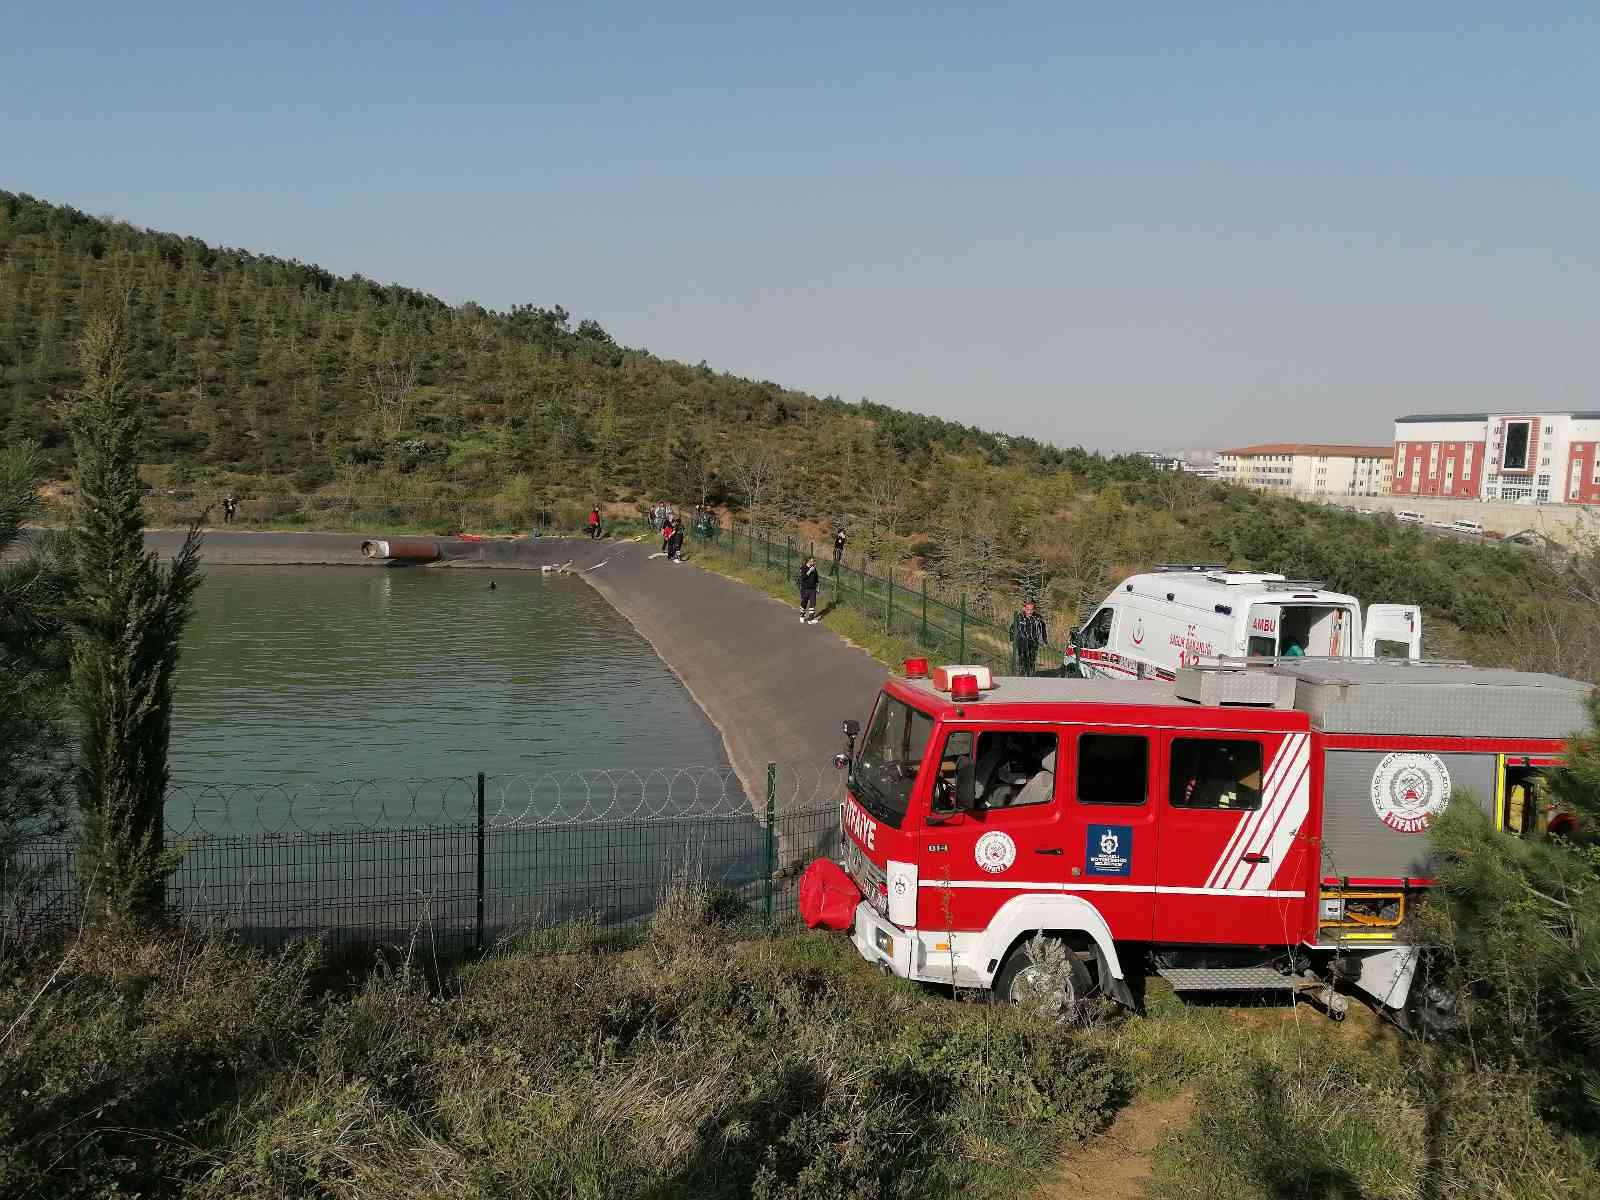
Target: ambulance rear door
(1261,631)
(1392,631)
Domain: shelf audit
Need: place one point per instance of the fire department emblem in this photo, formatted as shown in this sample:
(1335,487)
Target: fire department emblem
(995,852)
(1409,790)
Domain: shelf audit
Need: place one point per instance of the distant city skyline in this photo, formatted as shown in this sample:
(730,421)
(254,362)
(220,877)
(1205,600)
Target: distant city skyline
(1161,228)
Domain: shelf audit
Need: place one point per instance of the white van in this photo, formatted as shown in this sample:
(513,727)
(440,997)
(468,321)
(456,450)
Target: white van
(1408,518)
(1475,528)
(1180,614)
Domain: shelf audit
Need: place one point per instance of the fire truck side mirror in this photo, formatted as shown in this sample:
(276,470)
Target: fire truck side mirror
(852,729)
(1075,639)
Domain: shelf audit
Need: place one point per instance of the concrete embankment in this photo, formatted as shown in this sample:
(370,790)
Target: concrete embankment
(776,689)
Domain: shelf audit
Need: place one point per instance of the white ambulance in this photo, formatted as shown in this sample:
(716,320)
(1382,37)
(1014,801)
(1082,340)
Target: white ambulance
(1180,615)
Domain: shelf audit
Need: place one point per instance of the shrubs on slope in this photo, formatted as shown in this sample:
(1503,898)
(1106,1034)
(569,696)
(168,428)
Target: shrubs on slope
(692,1067)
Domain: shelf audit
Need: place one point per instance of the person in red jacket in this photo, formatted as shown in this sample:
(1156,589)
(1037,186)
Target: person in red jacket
(666,537)
(594,522)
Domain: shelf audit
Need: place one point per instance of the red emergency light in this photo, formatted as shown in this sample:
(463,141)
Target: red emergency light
(916,668)
(964,688)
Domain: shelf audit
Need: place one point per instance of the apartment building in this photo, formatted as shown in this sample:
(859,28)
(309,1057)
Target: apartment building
(1309,468)
(1538,457)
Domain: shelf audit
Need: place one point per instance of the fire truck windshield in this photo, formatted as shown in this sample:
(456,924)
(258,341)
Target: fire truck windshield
(886,766)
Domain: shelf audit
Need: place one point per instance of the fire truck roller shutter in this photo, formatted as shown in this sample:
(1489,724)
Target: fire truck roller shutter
(1023,916)
(1376,804)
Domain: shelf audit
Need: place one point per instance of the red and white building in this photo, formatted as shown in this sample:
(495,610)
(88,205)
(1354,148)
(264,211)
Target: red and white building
(1541,457)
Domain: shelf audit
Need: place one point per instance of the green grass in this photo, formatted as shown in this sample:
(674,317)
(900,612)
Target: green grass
(691,1065)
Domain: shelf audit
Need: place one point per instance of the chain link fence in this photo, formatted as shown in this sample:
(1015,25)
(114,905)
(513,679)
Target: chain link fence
(960,628)
(468,860)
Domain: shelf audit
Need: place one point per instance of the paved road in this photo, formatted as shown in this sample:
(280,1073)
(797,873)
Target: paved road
(777,689)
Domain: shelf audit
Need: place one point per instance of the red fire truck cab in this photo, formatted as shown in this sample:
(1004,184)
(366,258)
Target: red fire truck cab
(1248,825)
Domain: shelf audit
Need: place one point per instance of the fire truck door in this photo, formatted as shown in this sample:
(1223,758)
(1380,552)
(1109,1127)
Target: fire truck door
(1110,827)
(974,860)
(1231,863)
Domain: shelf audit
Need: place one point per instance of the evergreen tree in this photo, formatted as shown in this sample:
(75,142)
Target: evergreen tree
(34,768)
(128,614)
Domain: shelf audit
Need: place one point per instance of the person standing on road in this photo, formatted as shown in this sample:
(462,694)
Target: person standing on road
(666,537)
(230,508)
(675,543)
(1028,633)
(809,580)
(594,523)
(838,550)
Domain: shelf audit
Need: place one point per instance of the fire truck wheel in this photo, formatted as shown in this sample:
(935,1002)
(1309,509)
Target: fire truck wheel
(1060,990)
(1431,1010)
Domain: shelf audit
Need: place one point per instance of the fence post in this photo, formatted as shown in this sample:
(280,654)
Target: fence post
(480,860)
(863,578)
(772,841)
(788,556)
(961,654)
(888,608)
(924,640)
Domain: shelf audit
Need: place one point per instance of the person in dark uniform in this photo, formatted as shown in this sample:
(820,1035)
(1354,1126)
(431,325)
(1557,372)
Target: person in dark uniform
(1028,633)
(675,542)
(809,581)
(838,550)
(230,509)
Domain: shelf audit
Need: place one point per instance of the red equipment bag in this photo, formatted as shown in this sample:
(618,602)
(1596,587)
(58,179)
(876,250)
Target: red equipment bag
(828,897)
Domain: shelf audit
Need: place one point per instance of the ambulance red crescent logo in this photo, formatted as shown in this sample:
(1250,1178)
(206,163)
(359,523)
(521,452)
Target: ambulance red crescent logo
(1409,790)
(1138,632)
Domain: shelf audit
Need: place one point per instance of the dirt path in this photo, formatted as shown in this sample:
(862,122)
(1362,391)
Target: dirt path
(1117,1164)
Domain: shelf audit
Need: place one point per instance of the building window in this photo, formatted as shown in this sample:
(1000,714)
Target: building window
(1515,455)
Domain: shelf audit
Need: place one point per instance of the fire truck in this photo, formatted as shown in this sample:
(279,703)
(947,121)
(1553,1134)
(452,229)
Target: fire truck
(1247,826)
(1153,624)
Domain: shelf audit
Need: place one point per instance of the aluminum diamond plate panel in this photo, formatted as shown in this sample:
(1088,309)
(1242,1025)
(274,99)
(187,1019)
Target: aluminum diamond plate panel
(1430,700)
(1226,979)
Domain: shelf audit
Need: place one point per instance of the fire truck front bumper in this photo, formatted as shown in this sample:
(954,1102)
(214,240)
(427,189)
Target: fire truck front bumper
(880,942)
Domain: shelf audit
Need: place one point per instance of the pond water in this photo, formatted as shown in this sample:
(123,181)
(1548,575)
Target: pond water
(330,724)
(313,697)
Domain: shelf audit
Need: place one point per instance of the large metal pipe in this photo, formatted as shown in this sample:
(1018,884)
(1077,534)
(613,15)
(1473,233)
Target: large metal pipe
(401,549)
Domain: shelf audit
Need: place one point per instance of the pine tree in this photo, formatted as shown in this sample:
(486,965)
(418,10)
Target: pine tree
(127,614)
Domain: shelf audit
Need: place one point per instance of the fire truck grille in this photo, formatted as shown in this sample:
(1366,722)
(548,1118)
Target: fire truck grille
(869,877)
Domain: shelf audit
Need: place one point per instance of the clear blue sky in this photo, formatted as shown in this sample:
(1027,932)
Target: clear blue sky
(1124,225)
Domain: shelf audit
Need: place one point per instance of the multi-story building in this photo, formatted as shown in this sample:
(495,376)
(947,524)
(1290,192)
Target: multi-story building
(1309,468)
(1543,457)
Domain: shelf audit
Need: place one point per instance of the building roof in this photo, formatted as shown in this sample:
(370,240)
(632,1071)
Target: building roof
(1316,448)
(1416,418)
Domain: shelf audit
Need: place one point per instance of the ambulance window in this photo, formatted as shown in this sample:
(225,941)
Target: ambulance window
(1097,633)
(1216,773)
(1113,769)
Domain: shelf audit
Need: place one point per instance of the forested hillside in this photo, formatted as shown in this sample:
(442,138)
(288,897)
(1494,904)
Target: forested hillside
(280,381)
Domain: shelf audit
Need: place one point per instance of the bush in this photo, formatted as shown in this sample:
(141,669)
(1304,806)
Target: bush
(132,1053)
(309,479)
(780,1069)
